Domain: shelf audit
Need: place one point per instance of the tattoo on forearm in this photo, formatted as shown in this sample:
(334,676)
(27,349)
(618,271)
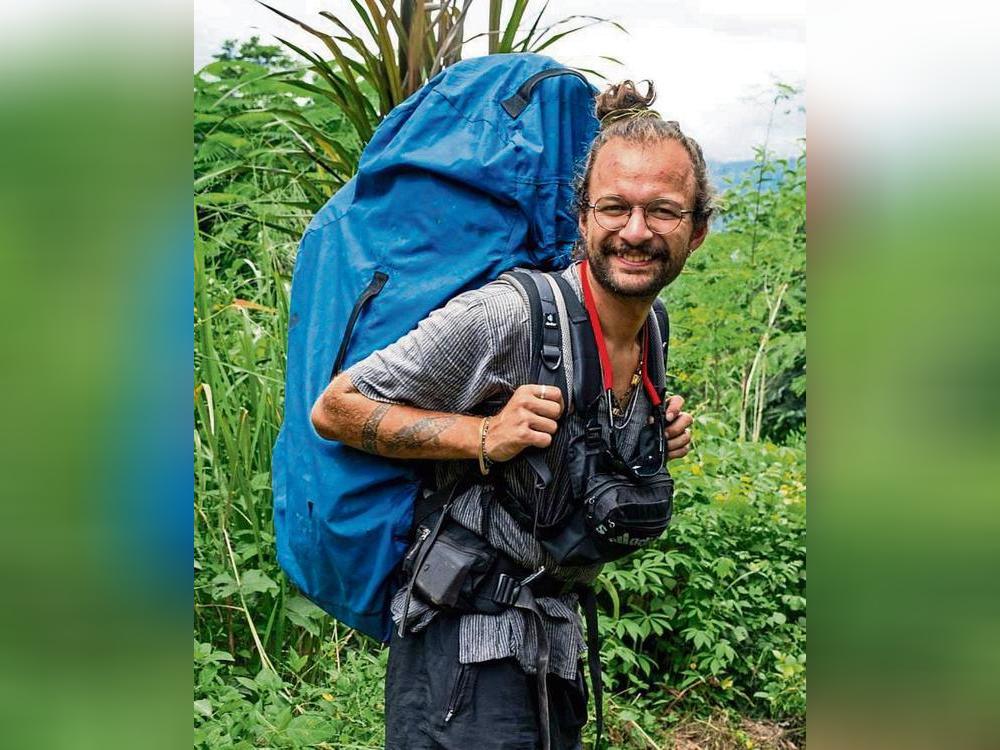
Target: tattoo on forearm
(423,433)
(369,431)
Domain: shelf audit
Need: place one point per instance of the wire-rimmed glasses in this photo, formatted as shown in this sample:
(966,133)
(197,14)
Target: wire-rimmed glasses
(662,216)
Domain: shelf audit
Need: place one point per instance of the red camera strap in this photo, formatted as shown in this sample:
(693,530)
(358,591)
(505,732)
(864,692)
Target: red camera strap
(602,350)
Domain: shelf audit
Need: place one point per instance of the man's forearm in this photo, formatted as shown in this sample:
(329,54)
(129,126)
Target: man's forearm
(397,431)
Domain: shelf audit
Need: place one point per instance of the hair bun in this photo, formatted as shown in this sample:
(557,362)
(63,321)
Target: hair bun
(624,100)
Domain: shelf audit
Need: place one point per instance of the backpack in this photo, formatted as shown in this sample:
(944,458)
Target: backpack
(469,177)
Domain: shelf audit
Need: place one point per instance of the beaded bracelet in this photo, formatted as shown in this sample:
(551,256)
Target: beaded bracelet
(484,461)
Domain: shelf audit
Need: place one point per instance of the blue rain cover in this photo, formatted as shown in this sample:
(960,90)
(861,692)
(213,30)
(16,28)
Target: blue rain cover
(456,186)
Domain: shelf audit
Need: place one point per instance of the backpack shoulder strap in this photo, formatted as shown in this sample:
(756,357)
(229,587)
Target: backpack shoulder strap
(658,359)
(546,349)
(663,322)
(546,328)
(587,383)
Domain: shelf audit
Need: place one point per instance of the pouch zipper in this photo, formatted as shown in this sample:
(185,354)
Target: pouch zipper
(456,692)
(422,533)
(374,287)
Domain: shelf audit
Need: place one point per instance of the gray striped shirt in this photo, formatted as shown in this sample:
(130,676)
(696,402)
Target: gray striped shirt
(476,347)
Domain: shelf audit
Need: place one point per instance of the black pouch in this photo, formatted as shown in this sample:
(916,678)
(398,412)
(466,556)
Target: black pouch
(617,516)
(452,568)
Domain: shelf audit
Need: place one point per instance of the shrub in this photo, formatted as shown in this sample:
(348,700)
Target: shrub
(715,614)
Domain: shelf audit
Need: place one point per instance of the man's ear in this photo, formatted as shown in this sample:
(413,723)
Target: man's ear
(700,233)
(581,222)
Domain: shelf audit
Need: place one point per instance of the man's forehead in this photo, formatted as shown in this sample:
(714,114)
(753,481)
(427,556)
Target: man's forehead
(664,161)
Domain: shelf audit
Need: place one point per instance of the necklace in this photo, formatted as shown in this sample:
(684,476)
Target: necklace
(621,410)
(640,376)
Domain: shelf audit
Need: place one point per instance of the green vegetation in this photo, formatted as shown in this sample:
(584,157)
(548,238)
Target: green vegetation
(711,621)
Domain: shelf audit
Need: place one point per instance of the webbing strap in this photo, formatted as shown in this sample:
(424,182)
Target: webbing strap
(589,604)
(535,459)
(546,347)
(663,321)
(586,360)
(550,351)
(516,103)
(526,601)
(658,359)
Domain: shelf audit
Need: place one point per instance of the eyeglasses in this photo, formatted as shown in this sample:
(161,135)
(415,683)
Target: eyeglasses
(662,216)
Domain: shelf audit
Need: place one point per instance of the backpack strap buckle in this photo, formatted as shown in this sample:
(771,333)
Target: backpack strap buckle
(551,356)
(509,588)
(506,590)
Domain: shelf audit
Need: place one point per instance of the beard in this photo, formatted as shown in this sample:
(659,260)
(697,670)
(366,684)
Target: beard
(646,286)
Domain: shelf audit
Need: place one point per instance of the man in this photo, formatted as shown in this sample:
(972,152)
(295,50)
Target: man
(469,680)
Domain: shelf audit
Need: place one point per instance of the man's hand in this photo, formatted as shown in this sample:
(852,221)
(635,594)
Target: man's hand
(678,430)
(528,420)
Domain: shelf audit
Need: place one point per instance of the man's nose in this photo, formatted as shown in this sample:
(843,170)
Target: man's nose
(636,230)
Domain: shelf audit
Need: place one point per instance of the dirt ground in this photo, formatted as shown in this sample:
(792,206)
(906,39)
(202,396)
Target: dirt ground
(748,735)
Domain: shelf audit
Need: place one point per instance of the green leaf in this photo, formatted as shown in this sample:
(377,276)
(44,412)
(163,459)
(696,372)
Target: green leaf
(223,586)
(256,582)
(268,680)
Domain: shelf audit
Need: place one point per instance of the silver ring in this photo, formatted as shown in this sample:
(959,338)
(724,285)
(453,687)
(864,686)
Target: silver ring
(542,395)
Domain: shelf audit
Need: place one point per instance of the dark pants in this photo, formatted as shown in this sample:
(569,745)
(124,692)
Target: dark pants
(434,703)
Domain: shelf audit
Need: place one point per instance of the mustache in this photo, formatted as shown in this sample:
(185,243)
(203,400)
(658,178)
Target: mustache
(610,247)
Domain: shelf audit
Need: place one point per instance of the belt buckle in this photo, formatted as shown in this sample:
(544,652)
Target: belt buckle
(508,588)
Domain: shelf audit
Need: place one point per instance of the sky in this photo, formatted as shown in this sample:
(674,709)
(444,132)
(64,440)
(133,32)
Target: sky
(714,63)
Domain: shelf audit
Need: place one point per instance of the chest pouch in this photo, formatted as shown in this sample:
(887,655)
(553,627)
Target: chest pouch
(618,506)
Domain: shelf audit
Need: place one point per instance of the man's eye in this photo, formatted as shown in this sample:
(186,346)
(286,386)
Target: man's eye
(612,209)
(662,212)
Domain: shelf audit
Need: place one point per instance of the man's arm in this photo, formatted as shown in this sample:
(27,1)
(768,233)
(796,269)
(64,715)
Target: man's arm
(400,431)
(343,413)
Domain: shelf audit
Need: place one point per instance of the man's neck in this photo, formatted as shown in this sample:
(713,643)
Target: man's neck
(621,317)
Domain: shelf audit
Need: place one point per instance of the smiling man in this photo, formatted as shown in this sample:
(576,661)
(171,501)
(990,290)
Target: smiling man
(644,205)
(469,679)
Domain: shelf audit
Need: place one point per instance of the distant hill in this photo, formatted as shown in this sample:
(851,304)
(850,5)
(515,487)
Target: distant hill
(724,174)
(719,171)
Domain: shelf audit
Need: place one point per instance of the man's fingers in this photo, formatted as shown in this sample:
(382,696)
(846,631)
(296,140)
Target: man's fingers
(679,453)
(542,424)
(674,405)
(679,425)
(545,400)
(539,439)
(681,441)
(547,393)
(549,409)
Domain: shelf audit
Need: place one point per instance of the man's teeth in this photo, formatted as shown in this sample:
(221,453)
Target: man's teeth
(635,257)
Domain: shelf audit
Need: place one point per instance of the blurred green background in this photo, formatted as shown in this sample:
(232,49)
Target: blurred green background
(95,238)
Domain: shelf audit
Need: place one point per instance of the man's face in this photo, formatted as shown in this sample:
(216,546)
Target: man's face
(633,261)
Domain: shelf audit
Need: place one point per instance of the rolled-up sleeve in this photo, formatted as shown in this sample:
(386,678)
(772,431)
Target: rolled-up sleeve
(455,358)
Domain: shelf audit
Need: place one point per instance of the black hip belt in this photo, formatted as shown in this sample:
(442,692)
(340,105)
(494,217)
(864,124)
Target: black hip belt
(455,570)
